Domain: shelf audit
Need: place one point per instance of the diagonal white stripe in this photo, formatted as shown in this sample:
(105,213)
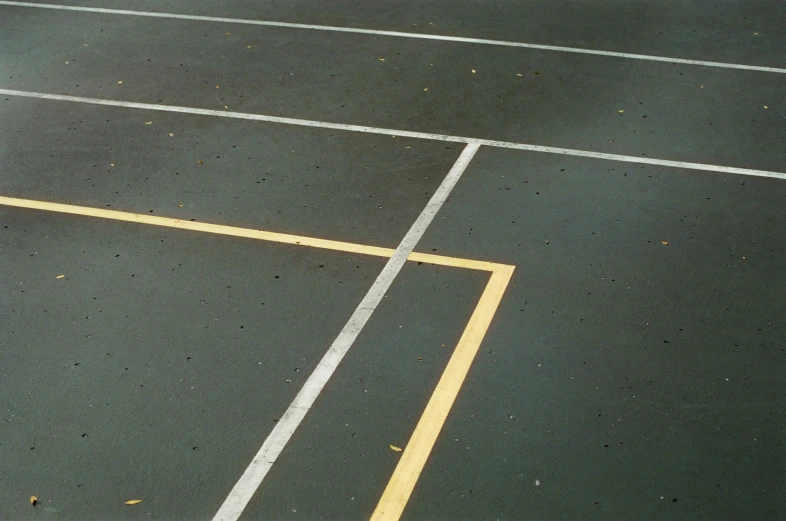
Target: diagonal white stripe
(256,471)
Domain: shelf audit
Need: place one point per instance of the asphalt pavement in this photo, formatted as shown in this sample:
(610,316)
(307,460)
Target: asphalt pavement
(154,339)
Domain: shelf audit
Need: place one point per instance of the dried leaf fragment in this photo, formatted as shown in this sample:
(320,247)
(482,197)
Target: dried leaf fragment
(395,449)
(33,500)
(133,502)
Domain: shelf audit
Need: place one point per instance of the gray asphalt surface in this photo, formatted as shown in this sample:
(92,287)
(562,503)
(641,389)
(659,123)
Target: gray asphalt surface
(634,370)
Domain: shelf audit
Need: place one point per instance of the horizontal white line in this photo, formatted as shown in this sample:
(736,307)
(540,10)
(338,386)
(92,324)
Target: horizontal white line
(400,34)
(401,133)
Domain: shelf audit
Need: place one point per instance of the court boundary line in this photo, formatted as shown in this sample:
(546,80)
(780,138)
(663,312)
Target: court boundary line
(403,34)
(415,455)
(399,133)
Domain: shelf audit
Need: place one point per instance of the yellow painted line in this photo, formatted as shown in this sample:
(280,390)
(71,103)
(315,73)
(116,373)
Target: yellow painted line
(283,238)
(413,459)
(454,262)
(219,229)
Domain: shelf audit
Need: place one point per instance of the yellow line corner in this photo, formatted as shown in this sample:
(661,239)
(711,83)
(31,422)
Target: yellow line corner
(401,484)
(413,459)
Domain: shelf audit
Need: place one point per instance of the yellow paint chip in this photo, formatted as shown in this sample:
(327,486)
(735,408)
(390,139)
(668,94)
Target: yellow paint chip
(396,449)
(60,276)
(133,502)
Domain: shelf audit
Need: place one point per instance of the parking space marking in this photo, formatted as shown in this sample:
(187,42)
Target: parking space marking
(400,34)
(400,133)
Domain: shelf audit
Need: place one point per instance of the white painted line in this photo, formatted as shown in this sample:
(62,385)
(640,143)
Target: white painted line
(249,482)
(399,34)
(401,133)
